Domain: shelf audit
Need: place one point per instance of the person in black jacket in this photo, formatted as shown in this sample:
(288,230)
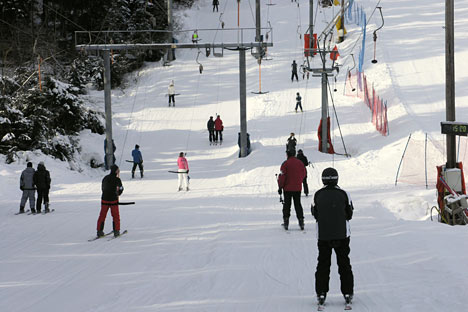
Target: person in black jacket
(111,190)
(211,129)
(333,208)
(291,143)
(294,71)
(28,188)
(305,161)
(42,182)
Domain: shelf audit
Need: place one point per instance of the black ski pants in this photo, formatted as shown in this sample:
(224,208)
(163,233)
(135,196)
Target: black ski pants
(298,105)
(305,186)
(288,197)
(42,194)
(219,135)
(172,99)
(294,74)
(322,275)
(140,166)
(212,135)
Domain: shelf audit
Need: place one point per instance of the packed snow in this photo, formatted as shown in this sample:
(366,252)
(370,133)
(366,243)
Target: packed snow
(219,246)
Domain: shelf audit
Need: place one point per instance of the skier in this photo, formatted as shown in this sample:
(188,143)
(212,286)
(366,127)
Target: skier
(211,129)
(294,71)
(290,180)
(333,208)
(298,101)
(219,129)
(111,190)
(27,186)
(215,5)
(171,93)
(291,144)
(195,37)
(137,161)
(42,181)
(305,161)
(106,165)
(182,164)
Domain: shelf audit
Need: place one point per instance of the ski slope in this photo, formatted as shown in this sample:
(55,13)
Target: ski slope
(220,247)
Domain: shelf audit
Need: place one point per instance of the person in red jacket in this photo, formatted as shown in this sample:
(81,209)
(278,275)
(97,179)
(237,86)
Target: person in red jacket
(219,129)
(290,180)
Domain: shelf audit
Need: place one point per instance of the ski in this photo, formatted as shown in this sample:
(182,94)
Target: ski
(98,237)
(32,213)
(18,213)
(45,212)
(113,237)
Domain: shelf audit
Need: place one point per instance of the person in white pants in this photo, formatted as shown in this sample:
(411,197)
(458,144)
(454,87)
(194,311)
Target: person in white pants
(183,172)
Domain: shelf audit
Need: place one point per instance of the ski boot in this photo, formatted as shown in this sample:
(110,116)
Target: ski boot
(100,234)
(348,301)
(301,224)
(321,301)
(21,210)
(33,211)
(285,224)
(46,209)
(116,233)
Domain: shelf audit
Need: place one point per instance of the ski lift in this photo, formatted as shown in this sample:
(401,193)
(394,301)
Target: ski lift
(200,66)
(325,3)
(221,21)
(260,79)
(349,74)
(218,54)
(207,51)
(375,34)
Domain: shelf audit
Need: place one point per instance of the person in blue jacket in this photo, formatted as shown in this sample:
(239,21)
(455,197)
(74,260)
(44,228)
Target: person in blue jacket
(137,160)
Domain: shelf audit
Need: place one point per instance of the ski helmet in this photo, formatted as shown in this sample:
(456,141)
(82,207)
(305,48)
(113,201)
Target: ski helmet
(330,176)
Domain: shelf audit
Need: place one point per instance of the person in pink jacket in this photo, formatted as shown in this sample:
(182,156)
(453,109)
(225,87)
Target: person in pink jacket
(183,171)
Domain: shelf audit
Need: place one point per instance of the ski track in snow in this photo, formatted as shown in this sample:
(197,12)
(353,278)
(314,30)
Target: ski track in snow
(220,246)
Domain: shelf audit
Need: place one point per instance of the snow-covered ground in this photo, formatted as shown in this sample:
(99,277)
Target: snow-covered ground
(220,247)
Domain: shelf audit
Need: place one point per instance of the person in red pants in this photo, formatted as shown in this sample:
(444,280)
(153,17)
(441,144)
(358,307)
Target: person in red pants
(111,190)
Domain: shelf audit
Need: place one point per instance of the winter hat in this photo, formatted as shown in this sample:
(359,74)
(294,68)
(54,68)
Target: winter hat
(29,164)
(137,146)
(181,154)
(299,151)
(330,176)
(41,164)
(114,168)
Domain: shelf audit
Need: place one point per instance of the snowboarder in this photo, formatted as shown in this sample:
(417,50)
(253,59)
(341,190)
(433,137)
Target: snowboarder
(27,186)
(171,93)
(305,161)
(195,37)
(106,165)
(294,71)
(333,208)
(137,161)
(42,181)
(290,180)
(298,101)
(291,144)
(219,129)
(112,188)
(215,5)
(182,164)
(211,129)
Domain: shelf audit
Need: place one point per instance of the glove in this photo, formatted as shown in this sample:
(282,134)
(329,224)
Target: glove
(280,191)
(21,188)
(188,171)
